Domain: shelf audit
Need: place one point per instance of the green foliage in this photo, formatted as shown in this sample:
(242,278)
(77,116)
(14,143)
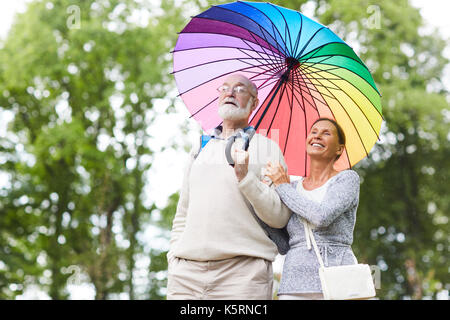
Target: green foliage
(80,79)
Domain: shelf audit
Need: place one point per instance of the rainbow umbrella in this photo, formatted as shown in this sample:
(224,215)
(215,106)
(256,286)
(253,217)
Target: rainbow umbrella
(303,71)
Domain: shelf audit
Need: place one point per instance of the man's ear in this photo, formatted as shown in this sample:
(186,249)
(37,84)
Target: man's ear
(255,104)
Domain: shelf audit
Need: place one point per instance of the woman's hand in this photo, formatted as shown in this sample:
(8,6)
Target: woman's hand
(277,174)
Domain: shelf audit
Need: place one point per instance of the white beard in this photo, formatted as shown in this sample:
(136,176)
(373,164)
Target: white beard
(228,111)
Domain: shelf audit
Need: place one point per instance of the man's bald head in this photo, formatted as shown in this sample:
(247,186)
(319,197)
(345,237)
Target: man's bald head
(234,78)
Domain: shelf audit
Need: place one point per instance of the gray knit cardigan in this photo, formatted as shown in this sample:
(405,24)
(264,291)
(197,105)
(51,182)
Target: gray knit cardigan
(333,222)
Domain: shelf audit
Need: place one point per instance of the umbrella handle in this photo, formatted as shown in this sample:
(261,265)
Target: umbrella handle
(246,136)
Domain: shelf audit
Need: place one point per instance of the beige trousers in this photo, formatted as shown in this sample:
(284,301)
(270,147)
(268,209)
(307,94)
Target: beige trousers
(238,278)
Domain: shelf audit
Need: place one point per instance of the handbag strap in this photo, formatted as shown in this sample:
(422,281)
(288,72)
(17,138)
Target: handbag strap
(309,234)
(310,239)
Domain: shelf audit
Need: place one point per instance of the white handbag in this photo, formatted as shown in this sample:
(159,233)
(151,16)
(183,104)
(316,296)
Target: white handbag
(348,282)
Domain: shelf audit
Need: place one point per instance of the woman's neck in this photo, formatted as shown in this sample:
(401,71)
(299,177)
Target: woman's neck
(320,172)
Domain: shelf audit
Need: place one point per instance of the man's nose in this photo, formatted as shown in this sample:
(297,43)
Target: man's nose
(230,93)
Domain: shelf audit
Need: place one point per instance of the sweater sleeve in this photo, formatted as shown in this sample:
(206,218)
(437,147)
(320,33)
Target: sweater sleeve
(179,221)
(340,196)
(265,201)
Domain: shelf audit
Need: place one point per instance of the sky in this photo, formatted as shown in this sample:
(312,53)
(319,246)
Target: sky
(168,165)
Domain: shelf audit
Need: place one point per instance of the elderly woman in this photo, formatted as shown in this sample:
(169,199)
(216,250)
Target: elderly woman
(327,200)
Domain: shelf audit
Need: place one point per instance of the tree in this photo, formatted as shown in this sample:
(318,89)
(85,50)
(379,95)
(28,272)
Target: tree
(80,80)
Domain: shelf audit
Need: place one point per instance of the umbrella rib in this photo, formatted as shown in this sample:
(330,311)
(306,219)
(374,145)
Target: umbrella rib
(280,83)
(273,25)
(246,17)
(221,60)
(351,120)
(266,41)
(314,106)
(320,70)
(300,75)
(339,88)
(340,78)
(283,83)
(228,35)
(327,64)
(259,73)
(209,103)
(273,28)
(287,32)
(329,43)
(271,53)
(321,47)
(248,55)
(356,105)
(291,101)
(223,74)
(306,127)
(202,108)
(262,66)
(275,40)
(258,44)
(221,47)
(295,96)
(318,114)
(259,53)
(297,42)
(336,55)
(315,85)
(300,91)
(309,41)
(270,69)
(278,66)
(268,83)
(313,63)
(302,105)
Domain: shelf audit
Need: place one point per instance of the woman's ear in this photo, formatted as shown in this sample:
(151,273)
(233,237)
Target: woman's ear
(340,149)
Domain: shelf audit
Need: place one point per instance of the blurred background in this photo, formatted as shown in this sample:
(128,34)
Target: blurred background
(93,142)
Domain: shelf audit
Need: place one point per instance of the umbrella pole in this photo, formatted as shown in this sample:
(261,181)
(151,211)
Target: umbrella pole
(284,78)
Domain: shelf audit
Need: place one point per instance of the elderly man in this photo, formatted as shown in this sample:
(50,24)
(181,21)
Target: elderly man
(218,250)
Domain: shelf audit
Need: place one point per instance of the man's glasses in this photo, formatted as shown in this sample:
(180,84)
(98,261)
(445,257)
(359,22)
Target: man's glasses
(239,89)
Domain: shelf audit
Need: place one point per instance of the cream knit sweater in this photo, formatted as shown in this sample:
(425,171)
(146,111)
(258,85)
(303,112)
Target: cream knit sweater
(214,220)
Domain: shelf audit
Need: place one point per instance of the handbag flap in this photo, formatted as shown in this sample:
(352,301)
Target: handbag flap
(347,282)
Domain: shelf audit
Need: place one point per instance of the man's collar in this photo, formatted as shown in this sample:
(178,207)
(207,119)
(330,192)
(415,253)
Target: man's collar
(217,131)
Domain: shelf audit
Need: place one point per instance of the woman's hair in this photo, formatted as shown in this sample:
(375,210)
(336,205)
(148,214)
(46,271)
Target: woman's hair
(340,132)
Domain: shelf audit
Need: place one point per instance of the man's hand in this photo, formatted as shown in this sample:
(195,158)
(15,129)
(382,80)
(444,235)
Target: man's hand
(240,158)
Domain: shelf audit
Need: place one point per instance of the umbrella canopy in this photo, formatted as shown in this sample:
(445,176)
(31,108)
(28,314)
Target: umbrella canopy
(303,71)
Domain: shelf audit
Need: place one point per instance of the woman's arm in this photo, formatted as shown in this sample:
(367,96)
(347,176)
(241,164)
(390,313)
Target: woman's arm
(340,196)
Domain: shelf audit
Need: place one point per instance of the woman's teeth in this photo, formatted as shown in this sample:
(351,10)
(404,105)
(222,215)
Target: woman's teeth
(317,145)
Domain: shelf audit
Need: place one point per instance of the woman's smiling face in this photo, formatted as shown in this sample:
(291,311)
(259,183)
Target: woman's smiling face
(323,141)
